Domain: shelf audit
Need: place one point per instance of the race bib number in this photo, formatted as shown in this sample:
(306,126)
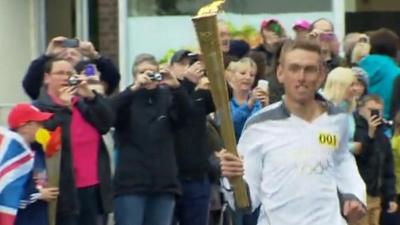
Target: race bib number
(329,140)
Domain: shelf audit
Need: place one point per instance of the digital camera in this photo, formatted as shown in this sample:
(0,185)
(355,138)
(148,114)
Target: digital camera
(70,43)
(375,112)
(155,76)
(193,58)
(73,80)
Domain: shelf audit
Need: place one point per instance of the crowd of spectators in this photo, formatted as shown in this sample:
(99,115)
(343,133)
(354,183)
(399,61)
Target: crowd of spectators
(163,168)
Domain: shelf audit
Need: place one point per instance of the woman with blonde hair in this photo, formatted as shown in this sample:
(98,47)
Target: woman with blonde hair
(245,102)
(339,88)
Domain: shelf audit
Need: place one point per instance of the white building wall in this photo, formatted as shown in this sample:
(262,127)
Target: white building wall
(18,38)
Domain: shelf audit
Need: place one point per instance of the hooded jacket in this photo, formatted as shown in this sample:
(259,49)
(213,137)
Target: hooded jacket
(382,72)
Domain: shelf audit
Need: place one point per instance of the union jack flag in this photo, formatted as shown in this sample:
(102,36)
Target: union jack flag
(16,161)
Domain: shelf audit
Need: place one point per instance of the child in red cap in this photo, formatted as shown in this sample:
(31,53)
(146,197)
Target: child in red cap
(26,120)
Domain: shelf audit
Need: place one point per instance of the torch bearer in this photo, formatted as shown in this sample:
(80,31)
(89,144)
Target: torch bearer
(206,27)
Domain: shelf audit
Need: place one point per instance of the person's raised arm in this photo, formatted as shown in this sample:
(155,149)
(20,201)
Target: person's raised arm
(33,79)
(108,71)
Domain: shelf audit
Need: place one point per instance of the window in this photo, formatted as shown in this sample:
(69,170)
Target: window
(190,7)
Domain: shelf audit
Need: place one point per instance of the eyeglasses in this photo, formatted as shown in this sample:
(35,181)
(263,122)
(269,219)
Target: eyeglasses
(68,73)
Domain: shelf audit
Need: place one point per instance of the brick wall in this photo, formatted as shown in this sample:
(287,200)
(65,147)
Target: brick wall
(108,28)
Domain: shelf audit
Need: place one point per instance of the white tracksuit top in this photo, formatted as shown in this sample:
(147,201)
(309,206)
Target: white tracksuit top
(295,168)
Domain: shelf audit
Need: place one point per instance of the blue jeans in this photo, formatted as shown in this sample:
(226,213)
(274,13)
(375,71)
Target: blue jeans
(192,208)
(142,209)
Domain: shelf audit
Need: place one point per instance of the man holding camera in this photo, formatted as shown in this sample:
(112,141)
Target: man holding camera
(83,115)
(375,160)
(148,114)
(191,141)
(75,52)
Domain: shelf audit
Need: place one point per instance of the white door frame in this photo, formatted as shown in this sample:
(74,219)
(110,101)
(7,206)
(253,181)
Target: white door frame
(339,14)
(123,43)
(38,23)
(82,19)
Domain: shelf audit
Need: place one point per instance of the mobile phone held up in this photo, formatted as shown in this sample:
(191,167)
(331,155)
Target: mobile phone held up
(70,43)
(375,112)
(263,84)
(90,70)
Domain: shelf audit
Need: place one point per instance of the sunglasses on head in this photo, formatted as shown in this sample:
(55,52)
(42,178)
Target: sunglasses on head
(327,36)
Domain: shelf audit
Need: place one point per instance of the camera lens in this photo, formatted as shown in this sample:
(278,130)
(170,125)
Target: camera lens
(73,80)
(155,76)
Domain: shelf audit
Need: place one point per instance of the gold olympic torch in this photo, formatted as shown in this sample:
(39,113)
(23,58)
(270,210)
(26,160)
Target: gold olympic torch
(206,27)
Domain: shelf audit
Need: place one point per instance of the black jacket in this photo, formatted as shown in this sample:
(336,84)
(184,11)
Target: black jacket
(99,114)
(270,56)
(144,136)
(375,162)
(191,141)
(33,78)
(276,90)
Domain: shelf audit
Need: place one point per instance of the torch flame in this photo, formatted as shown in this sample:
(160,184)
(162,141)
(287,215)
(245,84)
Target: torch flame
(211,8)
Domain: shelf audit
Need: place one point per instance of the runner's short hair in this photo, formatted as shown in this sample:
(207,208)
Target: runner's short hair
(303,44)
